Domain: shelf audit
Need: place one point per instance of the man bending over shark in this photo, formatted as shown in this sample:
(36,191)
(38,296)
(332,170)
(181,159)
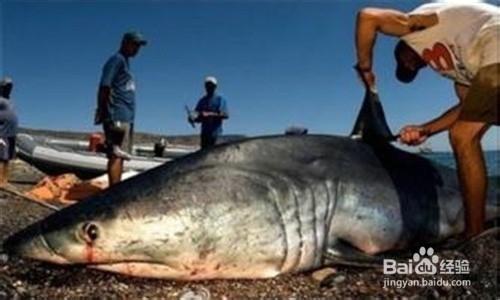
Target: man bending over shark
(459,41)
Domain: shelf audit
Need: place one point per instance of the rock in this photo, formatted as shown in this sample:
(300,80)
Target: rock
(332,280)
(339,279)
(4,258)
(21,290)
(435,294)
(322,274)
(122,286)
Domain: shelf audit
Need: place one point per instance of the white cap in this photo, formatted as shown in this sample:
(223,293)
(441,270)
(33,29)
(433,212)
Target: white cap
(211,79)
(5,81)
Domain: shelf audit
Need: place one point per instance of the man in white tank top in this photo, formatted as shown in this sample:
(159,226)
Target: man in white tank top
(461,42)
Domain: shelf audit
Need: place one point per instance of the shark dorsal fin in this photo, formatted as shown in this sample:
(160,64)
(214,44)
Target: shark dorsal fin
(371,125)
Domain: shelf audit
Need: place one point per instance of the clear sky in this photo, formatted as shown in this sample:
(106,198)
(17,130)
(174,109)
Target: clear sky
(279,63)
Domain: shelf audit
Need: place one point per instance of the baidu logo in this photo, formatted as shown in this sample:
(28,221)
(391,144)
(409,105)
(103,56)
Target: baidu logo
(424,262)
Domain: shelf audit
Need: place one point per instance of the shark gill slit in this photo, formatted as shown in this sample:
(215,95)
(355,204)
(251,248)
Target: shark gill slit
(315,230)
(331,210)
(299,223)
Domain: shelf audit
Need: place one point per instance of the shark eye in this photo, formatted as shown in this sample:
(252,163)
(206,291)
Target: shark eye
(90,232)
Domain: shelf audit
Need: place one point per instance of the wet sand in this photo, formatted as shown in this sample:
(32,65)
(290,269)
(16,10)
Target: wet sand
(25,279)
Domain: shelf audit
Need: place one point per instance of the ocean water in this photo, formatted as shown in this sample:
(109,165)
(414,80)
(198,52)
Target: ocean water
(447,159)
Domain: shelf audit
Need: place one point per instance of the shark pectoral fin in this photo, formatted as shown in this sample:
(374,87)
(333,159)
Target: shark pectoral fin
(341,253)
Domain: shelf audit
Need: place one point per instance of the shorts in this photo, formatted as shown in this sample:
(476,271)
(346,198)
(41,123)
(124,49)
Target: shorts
(8,150)
(118,134)
(482,103)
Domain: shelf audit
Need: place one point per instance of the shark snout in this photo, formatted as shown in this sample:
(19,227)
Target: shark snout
(22,242)
(30,243)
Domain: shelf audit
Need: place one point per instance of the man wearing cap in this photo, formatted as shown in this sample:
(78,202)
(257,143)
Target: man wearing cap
(210,111)
(8,129)
(116,104)
(460,42)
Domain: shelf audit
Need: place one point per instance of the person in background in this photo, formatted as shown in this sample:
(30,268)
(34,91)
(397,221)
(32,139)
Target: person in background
(210,111)
(116,104)
(8,129)
(459,41)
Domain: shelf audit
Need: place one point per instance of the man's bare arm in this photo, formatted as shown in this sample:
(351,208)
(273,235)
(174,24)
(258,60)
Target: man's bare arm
(446,120)
(369,22)
(414,135)
(103,97)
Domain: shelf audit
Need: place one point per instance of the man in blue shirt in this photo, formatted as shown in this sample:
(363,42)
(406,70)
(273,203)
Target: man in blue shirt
(210,111)
(116,104)
(8,129)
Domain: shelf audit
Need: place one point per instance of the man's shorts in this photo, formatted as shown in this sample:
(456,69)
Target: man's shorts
(118,134)
(482,103)
(7,148)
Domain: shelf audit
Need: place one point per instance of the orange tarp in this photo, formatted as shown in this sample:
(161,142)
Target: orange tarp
(66,189)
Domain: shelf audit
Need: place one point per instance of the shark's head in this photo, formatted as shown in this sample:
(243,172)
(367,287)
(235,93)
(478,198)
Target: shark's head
(117,231)
(182,230)
(92,234)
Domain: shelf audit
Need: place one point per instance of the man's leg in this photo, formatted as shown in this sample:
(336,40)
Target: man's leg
(114,138)
(115,167)
(479,110)
(212,140)
(204,142)
(7,152)
(465,138)
(4,172)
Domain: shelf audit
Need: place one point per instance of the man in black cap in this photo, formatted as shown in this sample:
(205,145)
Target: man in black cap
(460,42)
(8,129)
(116,104)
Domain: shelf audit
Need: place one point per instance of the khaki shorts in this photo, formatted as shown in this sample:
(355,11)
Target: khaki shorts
(483,98)
(118,134)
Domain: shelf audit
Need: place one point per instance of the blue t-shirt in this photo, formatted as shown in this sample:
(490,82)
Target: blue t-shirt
(8,119)
(212,126)
(116,75)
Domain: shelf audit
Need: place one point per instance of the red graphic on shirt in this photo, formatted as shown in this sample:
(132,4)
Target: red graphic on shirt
(439,57)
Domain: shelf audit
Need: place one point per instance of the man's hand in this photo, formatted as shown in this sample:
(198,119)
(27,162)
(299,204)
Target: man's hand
(413,135)
(367,77)
(98,116)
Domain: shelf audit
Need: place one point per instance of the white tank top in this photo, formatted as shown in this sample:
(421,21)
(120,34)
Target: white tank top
(464,39)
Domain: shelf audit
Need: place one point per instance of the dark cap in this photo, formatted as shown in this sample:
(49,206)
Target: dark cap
(134,36)
(403,73)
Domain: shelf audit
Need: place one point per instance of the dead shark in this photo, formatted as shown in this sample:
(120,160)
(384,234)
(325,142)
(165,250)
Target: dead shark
(259,208)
